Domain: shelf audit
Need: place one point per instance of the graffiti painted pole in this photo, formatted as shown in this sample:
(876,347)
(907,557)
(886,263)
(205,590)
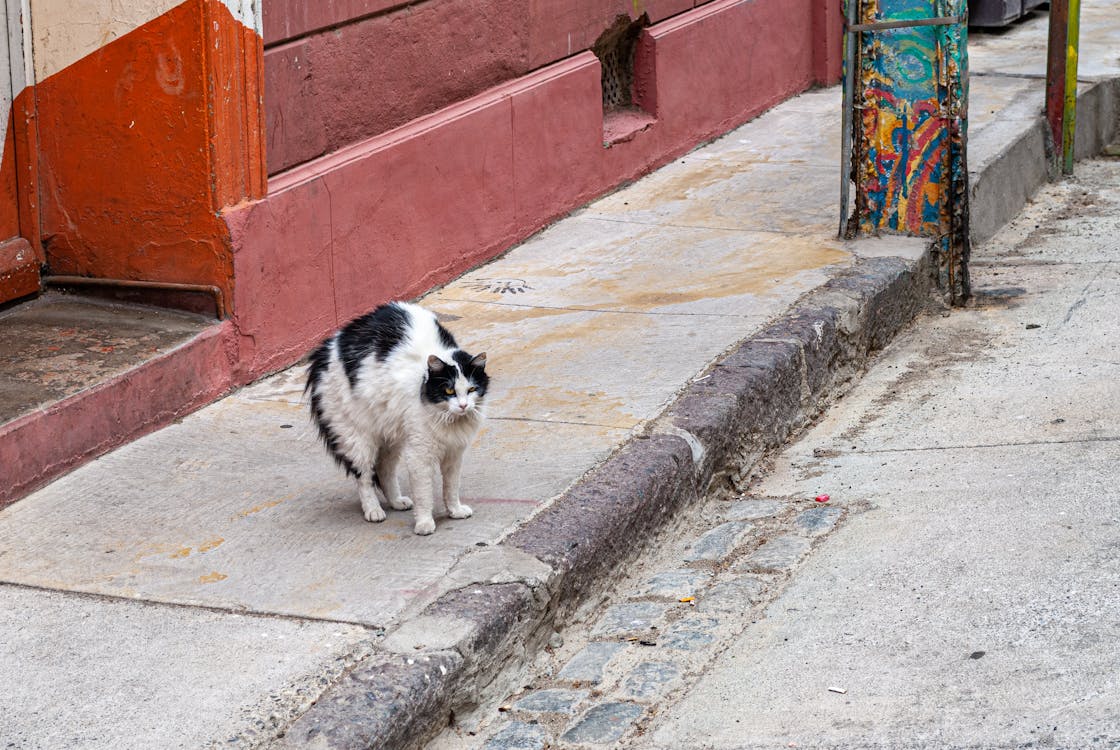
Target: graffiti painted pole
(909,110)
(1061,81)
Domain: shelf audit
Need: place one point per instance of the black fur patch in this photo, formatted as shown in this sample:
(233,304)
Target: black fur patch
(476,376)
(379,332)
(316,370)
(445,337)
(434,389)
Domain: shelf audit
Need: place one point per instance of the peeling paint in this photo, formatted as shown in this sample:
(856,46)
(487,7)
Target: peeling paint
(248,12)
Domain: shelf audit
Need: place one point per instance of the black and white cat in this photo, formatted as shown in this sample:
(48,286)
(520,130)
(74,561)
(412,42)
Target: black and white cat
(394,385)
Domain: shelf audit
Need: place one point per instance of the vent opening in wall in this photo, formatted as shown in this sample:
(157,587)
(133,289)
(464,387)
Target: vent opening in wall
(626,79)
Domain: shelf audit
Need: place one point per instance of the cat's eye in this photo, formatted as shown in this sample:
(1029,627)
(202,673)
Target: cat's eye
(472,389)
(449,391)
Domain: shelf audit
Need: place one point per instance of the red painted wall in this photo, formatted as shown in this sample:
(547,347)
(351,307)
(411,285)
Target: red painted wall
(828,42)
(405,62)
(395,214)
(362,79)
(288,19)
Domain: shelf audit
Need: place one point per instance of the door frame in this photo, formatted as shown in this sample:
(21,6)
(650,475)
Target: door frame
(22,255)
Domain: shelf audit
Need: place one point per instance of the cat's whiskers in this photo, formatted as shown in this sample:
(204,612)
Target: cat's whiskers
(448,417)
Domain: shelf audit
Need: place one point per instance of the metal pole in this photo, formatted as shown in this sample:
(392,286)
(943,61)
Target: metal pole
(1056,52)
(851,39)
(1069,116)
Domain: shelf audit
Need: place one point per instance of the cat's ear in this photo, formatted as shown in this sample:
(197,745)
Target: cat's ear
(435,364)
(479,360)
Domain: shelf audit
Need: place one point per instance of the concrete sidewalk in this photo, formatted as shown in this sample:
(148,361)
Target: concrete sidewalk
(954,589)
(210,582)
(971,598)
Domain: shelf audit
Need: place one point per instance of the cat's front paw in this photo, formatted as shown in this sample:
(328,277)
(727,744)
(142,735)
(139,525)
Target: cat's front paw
(425,526)
(401,503)
(460,511)
(371,504)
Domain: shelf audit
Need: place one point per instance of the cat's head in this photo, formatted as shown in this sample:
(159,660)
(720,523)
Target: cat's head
(457,386)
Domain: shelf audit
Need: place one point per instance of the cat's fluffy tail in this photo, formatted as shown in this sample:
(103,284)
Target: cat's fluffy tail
(318,363)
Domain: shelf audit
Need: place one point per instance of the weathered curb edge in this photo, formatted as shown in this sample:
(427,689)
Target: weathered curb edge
(1002,183)
(747,404)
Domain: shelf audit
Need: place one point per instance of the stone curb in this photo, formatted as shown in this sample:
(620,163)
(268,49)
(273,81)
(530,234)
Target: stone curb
(388,701)
(1003,183)
(773,383)
(747,404)
(742,407)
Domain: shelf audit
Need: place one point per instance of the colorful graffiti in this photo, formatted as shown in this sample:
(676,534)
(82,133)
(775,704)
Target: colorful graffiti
(910,125)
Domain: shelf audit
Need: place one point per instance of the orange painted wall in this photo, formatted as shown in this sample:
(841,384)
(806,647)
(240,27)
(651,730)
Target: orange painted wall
(142,143)
(21,254)
(9,198)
